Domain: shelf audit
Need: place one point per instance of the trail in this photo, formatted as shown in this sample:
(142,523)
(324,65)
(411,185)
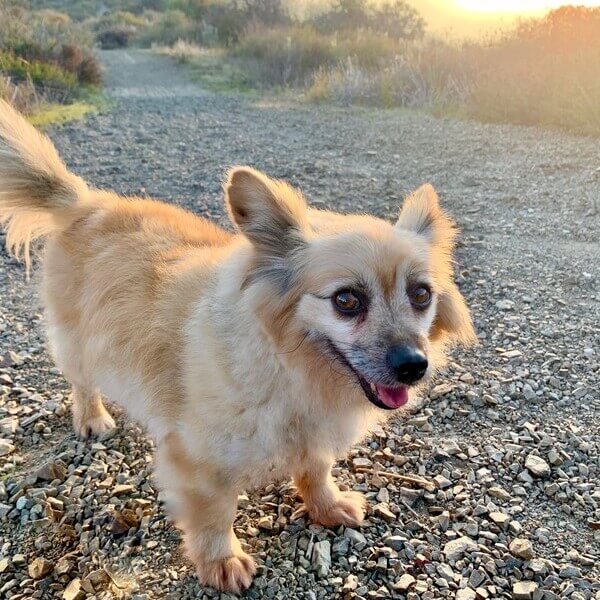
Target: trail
(529,265)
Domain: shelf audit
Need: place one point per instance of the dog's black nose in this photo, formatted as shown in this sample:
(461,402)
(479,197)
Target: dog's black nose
(409,363)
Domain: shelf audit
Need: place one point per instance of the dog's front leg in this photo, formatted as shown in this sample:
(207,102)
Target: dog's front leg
(203,504)
(323,500)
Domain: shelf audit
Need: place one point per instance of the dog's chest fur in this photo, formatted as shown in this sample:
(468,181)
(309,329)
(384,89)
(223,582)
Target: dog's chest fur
(256,418)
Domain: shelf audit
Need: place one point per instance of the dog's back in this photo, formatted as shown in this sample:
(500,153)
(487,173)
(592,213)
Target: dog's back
(115,270)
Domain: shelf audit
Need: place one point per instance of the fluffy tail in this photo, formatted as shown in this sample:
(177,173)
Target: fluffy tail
(37,192)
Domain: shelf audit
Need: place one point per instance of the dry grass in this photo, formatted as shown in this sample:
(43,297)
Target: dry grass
(183,52)
(546,72)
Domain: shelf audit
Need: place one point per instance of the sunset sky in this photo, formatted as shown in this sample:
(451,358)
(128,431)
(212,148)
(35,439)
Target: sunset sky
(473,17)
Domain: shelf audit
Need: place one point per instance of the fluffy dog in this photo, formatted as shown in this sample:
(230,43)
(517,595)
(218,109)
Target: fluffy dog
(247,356)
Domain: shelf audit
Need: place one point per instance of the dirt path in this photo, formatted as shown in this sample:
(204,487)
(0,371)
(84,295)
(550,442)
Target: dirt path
(529,266)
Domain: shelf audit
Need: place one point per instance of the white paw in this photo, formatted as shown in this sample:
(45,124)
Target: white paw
(96,426)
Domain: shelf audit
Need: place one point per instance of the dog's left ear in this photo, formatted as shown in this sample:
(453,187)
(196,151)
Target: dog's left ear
(421,214)
(270,213)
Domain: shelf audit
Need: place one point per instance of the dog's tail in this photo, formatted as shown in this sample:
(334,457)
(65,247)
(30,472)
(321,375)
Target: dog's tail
(38,194)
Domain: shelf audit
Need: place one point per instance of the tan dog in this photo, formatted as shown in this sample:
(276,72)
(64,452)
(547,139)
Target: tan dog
(248,356)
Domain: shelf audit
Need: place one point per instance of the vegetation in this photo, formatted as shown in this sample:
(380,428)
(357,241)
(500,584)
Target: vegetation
(375,52)
(45,58)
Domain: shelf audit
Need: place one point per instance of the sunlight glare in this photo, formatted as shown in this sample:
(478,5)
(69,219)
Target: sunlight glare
(516,6)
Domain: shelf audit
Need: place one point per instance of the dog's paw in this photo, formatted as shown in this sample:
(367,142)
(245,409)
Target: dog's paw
(96,425)
(233,574)
(348,509)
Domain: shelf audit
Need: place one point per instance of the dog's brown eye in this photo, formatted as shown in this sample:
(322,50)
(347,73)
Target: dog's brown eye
(420,296)
(348,302)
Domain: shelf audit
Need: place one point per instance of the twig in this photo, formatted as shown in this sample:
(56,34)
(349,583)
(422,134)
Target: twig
(417,481)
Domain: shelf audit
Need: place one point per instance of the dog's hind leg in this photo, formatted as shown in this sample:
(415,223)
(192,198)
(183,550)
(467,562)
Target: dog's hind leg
(90,416)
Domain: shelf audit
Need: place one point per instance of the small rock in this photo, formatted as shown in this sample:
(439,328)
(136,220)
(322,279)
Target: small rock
(123,521)
(321,558)
(52,470)
(523,590)
(500,518)
(537,466)
(6,447)
(522,548)
(122,488)
(500,493)
(383,511)
(350,584)
(442,482)
(265,523)
(63,566)
(73,591)
(569,571)
(466,594)
(404,582)
(39,568)
(440,390)
(8,425)
(454,549)
(505,304)
(4,564)
(395,542)
(356,538)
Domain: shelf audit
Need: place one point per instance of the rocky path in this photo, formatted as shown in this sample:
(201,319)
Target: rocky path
(507,448)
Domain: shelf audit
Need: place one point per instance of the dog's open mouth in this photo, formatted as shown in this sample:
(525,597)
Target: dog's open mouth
(388,398)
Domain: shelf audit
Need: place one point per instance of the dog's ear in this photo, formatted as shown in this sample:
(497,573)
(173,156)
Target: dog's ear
(270,213)
(421,213)
(453,321)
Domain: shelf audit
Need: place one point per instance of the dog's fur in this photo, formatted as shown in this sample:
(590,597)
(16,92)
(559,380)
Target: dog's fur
(227,346)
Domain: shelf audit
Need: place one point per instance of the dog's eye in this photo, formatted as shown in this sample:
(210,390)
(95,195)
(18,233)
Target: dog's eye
(348,302)
(420,296)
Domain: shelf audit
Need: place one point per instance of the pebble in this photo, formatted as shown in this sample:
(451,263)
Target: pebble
(455,549)
(537,466)
(522,548)
(6,447)
(73,591)
(524,590)
(39,568)
(405,582)
(321,557)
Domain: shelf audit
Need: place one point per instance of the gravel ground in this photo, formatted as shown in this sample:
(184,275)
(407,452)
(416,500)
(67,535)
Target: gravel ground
(490,489)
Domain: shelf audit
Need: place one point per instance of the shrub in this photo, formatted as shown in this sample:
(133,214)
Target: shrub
(44,56)
(545,72)
(118,36)
(394,18)
(292,55)
(171,26)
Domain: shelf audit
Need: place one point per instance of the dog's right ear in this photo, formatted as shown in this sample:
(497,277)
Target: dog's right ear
(270,213)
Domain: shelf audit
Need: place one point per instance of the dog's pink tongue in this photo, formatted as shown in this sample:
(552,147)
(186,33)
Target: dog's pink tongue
(393,397)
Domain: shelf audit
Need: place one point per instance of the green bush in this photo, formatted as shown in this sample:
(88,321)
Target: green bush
(42,74)
(44,56)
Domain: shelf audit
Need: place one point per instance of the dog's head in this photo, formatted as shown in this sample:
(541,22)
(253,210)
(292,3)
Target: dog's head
(377,299)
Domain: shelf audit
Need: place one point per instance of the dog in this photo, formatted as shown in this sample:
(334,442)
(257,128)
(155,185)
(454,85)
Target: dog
(248,356)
